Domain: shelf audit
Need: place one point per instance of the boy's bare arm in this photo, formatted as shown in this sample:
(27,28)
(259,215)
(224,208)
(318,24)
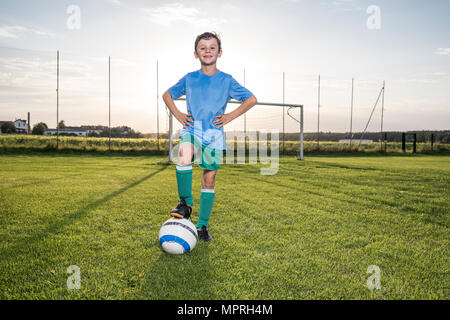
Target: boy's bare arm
(223,119)
(180,116)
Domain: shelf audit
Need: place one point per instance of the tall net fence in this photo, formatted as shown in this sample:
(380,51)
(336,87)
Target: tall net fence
(98,92)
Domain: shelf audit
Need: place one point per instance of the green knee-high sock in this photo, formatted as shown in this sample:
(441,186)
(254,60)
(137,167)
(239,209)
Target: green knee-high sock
(206,204)
(184,181)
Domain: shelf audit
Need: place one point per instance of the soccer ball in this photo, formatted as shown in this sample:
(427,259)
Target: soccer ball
(178,236)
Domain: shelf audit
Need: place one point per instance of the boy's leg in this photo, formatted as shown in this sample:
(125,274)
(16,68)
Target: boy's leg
(184,180)
(206,197)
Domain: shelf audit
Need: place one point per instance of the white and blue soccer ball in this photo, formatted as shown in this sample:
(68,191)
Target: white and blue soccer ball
(178,236)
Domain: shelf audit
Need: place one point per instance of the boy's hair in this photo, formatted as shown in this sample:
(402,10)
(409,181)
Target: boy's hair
(208,35)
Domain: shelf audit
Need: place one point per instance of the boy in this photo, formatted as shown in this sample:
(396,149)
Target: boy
(207,91)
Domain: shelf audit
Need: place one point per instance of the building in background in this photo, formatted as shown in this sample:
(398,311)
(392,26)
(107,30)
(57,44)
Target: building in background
(69,131)
(82,131)
(21,125)
(96,129)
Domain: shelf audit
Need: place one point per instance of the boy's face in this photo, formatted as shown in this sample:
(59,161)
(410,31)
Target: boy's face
(208,51)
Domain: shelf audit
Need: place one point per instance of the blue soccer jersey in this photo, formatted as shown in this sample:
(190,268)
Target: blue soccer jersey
(206,98)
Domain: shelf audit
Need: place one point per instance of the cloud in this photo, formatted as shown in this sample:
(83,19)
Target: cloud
(116,2)
(14,31)
(229,6)
(41,71)
(439,74)
(431,77)
(117,62)
(342,5)
(443,51)
(23,71)
(177,12)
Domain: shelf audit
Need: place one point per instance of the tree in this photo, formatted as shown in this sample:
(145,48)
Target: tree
(93,134)
(8,127)
(61,124)
(39,128)
(121,132)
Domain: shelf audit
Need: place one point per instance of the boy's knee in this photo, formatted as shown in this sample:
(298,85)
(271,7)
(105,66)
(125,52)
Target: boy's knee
(184,162)
(185,155)
(209,185)
(209,180)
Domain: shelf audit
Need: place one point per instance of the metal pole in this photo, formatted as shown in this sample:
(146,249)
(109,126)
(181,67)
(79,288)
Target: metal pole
(260,103)
(109,101)
(284,108)
(382,112)
(318,117)
(245,115)
(351,116)
(245,121)
(170,136)
(301,133)
(157,105)
(57,100)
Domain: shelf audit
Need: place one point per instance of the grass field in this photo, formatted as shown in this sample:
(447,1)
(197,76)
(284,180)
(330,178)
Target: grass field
(308,232)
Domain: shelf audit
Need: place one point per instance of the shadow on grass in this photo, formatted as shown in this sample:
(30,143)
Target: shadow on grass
(180,277)
(39,182)
(335,194)
(12,251)
(374,154)
(321,164)
(437,216)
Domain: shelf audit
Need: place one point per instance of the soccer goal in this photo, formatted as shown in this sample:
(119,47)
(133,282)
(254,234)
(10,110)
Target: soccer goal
(264,112)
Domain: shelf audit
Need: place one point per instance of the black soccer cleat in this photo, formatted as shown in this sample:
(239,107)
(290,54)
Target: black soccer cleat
(182,210)
(203,234)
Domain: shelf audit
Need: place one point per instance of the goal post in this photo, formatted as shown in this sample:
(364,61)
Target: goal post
(288,105)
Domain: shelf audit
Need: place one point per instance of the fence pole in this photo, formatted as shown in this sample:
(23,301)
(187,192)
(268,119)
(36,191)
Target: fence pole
(351,115)
(245,121)
(157,104)
(57,100)
(301,133)
(414,143)
(170,136)
(284,110)
(382,112)
(109,101)
(318,117)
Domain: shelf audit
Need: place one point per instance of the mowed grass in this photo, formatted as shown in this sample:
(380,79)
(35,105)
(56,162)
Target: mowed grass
(308,232)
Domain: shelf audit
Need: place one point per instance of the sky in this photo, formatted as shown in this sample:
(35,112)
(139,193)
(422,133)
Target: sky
(405,43)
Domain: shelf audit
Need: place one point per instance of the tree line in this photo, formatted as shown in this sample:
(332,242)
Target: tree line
(41,127)
(442,136)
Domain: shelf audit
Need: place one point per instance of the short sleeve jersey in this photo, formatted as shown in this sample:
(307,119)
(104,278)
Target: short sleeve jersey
(206,98)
